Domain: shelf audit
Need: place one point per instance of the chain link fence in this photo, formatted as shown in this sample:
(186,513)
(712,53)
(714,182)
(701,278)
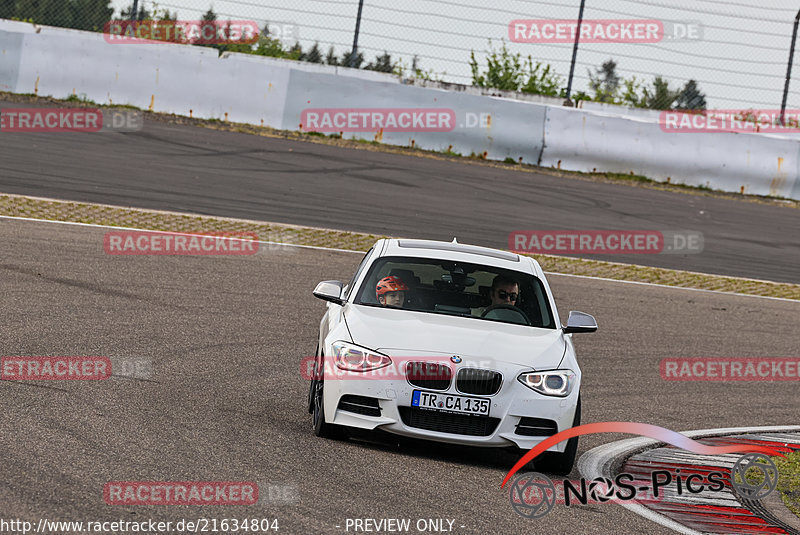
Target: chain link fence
(682,54)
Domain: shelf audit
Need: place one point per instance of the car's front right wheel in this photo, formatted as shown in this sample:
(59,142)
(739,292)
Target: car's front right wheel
(317,409)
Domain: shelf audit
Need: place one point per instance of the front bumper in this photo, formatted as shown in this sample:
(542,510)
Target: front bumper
(513,402)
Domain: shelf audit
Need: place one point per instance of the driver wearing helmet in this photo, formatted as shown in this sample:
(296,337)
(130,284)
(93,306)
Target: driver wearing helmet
(504,291)
(391,291)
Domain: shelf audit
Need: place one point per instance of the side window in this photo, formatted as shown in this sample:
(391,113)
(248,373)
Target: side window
(544,307)
(361,267)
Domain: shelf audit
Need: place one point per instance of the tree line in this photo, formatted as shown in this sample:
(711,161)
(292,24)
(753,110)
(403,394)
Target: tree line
(508,71)
(89,15)
(274,47)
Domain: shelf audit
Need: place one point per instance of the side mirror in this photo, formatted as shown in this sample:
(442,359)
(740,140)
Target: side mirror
(329,291)
(578,322)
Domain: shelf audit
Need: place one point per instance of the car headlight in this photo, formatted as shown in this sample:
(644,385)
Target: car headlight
(354,358)
(557,383)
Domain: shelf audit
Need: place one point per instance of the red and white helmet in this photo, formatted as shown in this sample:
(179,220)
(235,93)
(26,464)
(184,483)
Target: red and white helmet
(390,284)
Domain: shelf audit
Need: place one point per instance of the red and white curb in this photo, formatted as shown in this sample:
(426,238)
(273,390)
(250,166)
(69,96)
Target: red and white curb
(705,512)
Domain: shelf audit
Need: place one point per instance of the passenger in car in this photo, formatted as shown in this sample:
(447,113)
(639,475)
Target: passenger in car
(391,291)
(504,291)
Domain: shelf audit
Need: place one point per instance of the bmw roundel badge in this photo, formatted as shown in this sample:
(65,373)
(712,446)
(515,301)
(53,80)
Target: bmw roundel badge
(456,359)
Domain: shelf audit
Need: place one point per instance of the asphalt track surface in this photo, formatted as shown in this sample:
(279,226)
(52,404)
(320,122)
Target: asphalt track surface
(226,400)
(194,169)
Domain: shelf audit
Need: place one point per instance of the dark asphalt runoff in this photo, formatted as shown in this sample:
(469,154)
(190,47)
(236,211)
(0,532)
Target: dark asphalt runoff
(194,169)
(226,401)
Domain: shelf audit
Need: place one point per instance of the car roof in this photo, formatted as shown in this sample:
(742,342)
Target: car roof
(459,251)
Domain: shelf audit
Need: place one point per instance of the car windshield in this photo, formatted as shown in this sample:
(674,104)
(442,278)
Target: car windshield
(462,289)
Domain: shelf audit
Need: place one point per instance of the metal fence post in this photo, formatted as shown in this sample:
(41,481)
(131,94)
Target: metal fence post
(568,102)
(789,69)
(354,52)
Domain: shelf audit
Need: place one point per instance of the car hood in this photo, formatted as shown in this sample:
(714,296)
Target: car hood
(393,331)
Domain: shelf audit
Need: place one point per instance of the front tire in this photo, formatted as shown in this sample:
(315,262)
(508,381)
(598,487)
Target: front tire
(313,383)
(561,464)
(321,428)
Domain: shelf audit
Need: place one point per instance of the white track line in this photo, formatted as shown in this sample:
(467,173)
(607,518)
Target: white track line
(95,225)
(597,461)
(589,277)
(682,287)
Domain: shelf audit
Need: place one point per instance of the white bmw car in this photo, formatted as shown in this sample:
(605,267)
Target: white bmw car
(449,360)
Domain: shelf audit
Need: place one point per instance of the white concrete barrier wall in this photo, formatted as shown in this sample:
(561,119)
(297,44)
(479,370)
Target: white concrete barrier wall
(162,77)
(500,128)
(582,141)
(271,92)
(250,89)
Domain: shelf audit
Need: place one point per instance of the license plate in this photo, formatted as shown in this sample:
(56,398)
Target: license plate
(450,403)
